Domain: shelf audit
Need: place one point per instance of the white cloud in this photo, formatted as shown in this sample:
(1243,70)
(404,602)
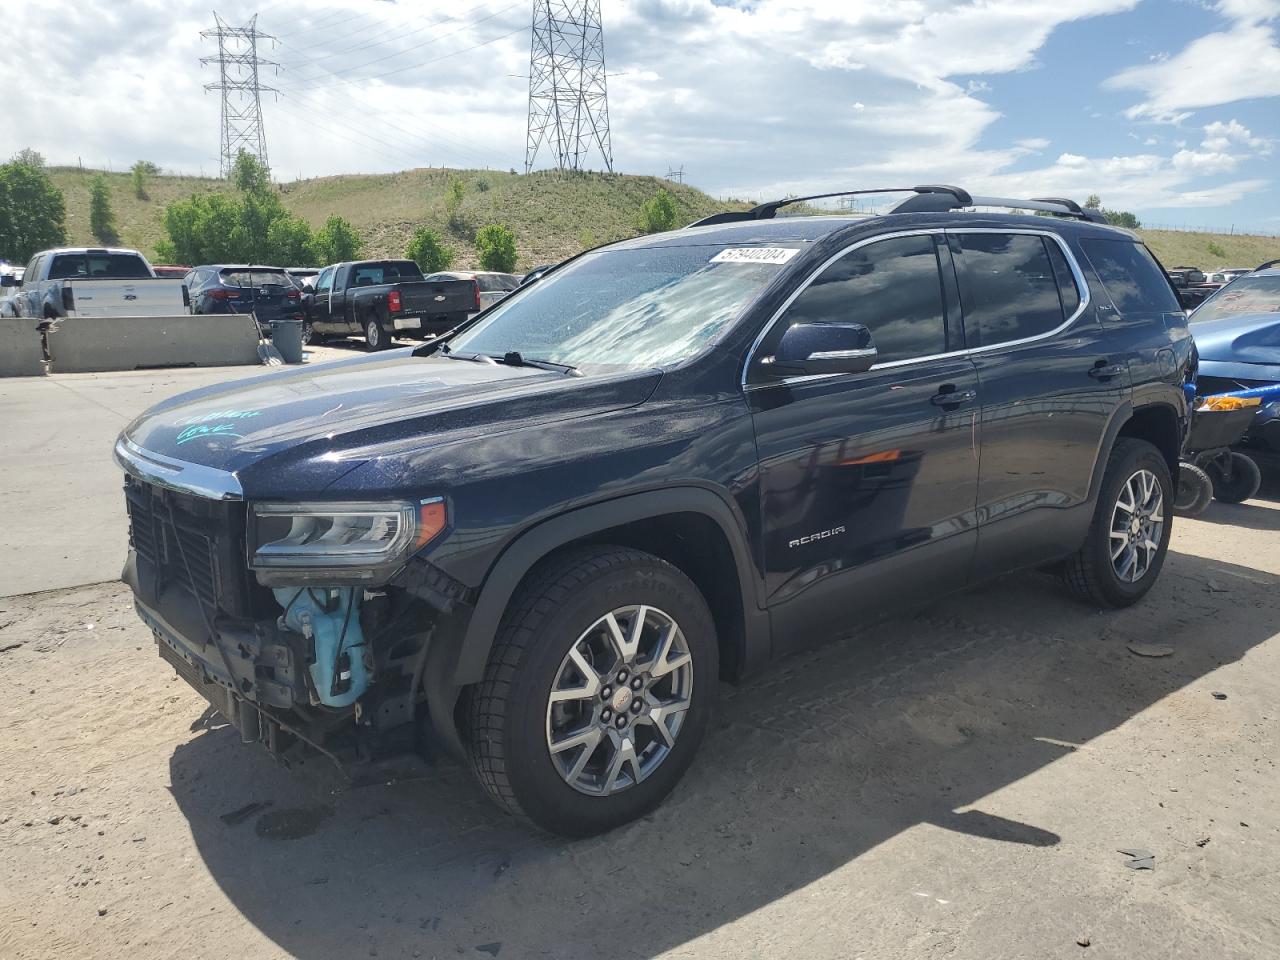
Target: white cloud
(1239,63)
(1033,143)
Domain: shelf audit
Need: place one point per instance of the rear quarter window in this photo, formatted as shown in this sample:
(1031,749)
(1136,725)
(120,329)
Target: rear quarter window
(1008,287)
(1132,278)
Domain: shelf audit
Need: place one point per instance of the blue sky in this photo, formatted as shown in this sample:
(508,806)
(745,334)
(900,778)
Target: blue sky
(1169,108)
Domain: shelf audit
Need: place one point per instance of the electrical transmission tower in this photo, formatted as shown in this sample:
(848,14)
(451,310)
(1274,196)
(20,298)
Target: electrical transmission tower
(568,92)
(238,64)
(676,175)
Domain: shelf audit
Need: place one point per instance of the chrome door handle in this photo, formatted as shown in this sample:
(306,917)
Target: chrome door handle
(1105,371)
(953,397)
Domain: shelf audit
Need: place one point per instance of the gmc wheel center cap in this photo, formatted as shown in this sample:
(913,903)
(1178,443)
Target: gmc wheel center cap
(621,699)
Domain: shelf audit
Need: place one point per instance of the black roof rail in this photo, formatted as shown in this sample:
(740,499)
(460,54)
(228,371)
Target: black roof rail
(926,203)
(767,211)
(928,198)
(1270,264)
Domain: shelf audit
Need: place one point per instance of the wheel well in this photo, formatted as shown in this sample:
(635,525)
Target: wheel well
(1158,425)
(694,543)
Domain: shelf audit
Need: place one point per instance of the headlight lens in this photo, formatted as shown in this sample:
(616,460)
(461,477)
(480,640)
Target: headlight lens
(342,535)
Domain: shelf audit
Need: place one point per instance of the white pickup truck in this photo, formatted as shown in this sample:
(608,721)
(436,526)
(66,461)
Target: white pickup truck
(95,282)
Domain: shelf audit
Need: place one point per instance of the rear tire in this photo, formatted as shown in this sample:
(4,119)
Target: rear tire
(1195,491)
(1129,536)
(553,677)
(1244,482)
(309,335)
(375,336)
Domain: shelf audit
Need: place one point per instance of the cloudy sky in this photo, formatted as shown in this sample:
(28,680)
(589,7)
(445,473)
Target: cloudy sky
(1170,108)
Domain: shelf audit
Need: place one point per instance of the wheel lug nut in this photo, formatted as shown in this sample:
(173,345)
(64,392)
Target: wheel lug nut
(606,715)
(606,693)
(636,706)
(637,683)
(622,676)
(621,722)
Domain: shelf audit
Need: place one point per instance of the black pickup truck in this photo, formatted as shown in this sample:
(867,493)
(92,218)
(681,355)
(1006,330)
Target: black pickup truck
(383,299)
(542,541)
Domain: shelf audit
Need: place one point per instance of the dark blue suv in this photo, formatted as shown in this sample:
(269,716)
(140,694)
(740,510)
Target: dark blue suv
(542,539)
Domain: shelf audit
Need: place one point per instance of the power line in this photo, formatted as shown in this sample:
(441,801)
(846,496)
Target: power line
(676,175)
(238,64)
(568,88)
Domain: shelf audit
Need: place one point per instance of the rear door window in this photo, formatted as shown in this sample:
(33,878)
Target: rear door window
(891,287)
(1008,287)
(1132,278)
(255,278)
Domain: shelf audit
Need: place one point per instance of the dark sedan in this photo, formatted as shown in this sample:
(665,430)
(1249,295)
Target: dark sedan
(266,292)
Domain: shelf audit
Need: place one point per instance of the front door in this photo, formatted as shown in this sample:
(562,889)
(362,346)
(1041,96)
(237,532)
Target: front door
(1050,385)
(868,481)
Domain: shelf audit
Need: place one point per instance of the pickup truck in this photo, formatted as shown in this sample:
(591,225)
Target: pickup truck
(382,299)
(96,282)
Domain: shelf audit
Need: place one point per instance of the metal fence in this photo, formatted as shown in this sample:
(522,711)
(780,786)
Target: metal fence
(1232,230)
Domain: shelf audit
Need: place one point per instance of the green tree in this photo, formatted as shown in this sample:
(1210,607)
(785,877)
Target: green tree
(102,219)
(31,158)
(249,174)
(1094,202)
(658,213)
(33,212)
(426,250)
(497,248)
(336,241)
(1122,218)
(141,170)
(203,229)
(288,242)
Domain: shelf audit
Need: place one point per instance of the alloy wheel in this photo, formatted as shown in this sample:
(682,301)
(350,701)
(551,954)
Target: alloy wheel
(619,700)
(1137,526)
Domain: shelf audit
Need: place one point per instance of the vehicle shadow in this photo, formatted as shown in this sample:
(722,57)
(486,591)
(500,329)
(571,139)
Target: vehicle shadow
(1249,515)
(822,758)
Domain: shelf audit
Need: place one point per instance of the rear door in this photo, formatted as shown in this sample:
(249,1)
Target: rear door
(1050,384)
(868,481)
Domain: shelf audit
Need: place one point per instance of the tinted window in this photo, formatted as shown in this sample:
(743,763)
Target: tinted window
(99,266)
(386,271)
(1132,278)
(490,282)
(1007,287)
(1259,294)
(893,288)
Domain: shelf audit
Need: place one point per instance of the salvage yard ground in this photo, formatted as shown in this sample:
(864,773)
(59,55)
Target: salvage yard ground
(957,783)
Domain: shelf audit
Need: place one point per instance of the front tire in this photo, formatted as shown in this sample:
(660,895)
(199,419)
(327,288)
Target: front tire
(1129,536)
(597,693)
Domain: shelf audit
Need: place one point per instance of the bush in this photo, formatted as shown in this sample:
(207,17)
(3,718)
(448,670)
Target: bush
(426,250)
(141,170)
(102,219)
(453,196)
(482,185)
(658,213)
(497,248)
(33,212)
(1216,250)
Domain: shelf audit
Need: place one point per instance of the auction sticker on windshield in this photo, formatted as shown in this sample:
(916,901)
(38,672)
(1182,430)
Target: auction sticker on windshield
(755,255)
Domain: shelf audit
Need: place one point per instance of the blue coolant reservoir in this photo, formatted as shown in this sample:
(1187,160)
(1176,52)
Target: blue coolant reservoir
(338,670)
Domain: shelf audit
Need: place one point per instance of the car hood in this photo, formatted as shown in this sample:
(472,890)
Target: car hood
(1247,338)
(303,429)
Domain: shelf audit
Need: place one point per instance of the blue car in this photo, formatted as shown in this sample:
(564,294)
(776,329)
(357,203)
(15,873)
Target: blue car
(1237,334)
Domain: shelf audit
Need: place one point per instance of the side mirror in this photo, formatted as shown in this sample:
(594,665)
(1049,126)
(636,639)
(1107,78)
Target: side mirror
(808,348)
(308,287)
(9,280)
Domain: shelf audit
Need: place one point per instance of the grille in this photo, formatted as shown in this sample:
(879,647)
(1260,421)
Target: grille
(197,566)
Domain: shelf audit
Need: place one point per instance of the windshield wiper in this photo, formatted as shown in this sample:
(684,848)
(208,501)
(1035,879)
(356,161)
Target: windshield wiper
(513,358)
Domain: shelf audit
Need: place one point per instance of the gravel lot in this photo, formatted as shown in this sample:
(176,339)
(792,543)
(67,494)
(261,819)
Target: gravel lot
(957,783)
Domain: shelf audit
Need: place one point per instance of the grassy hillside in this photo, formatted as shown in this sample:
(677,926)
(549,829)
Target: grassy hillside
(552,215)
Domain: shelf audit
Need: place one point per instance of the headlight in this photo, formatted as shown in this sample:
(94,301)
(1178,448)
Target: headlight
(356,539)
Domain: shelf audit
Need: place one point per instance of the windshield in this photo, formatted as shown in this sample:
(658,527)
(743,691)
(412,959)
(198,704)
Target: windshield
(634,308)
(1243,295)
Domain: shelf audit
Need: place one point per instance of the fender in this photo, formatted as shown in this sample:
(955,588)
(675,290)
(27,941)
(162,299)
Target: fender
(1119,417)
(459,653)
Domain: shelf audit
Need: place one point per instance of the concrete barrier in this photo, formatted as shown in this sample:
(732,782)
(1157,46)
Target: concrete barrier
(21,353)
(92,344)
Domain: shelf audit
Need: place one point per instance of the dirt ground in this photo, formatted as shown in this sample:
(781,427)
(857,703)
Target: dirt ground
(956,783)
